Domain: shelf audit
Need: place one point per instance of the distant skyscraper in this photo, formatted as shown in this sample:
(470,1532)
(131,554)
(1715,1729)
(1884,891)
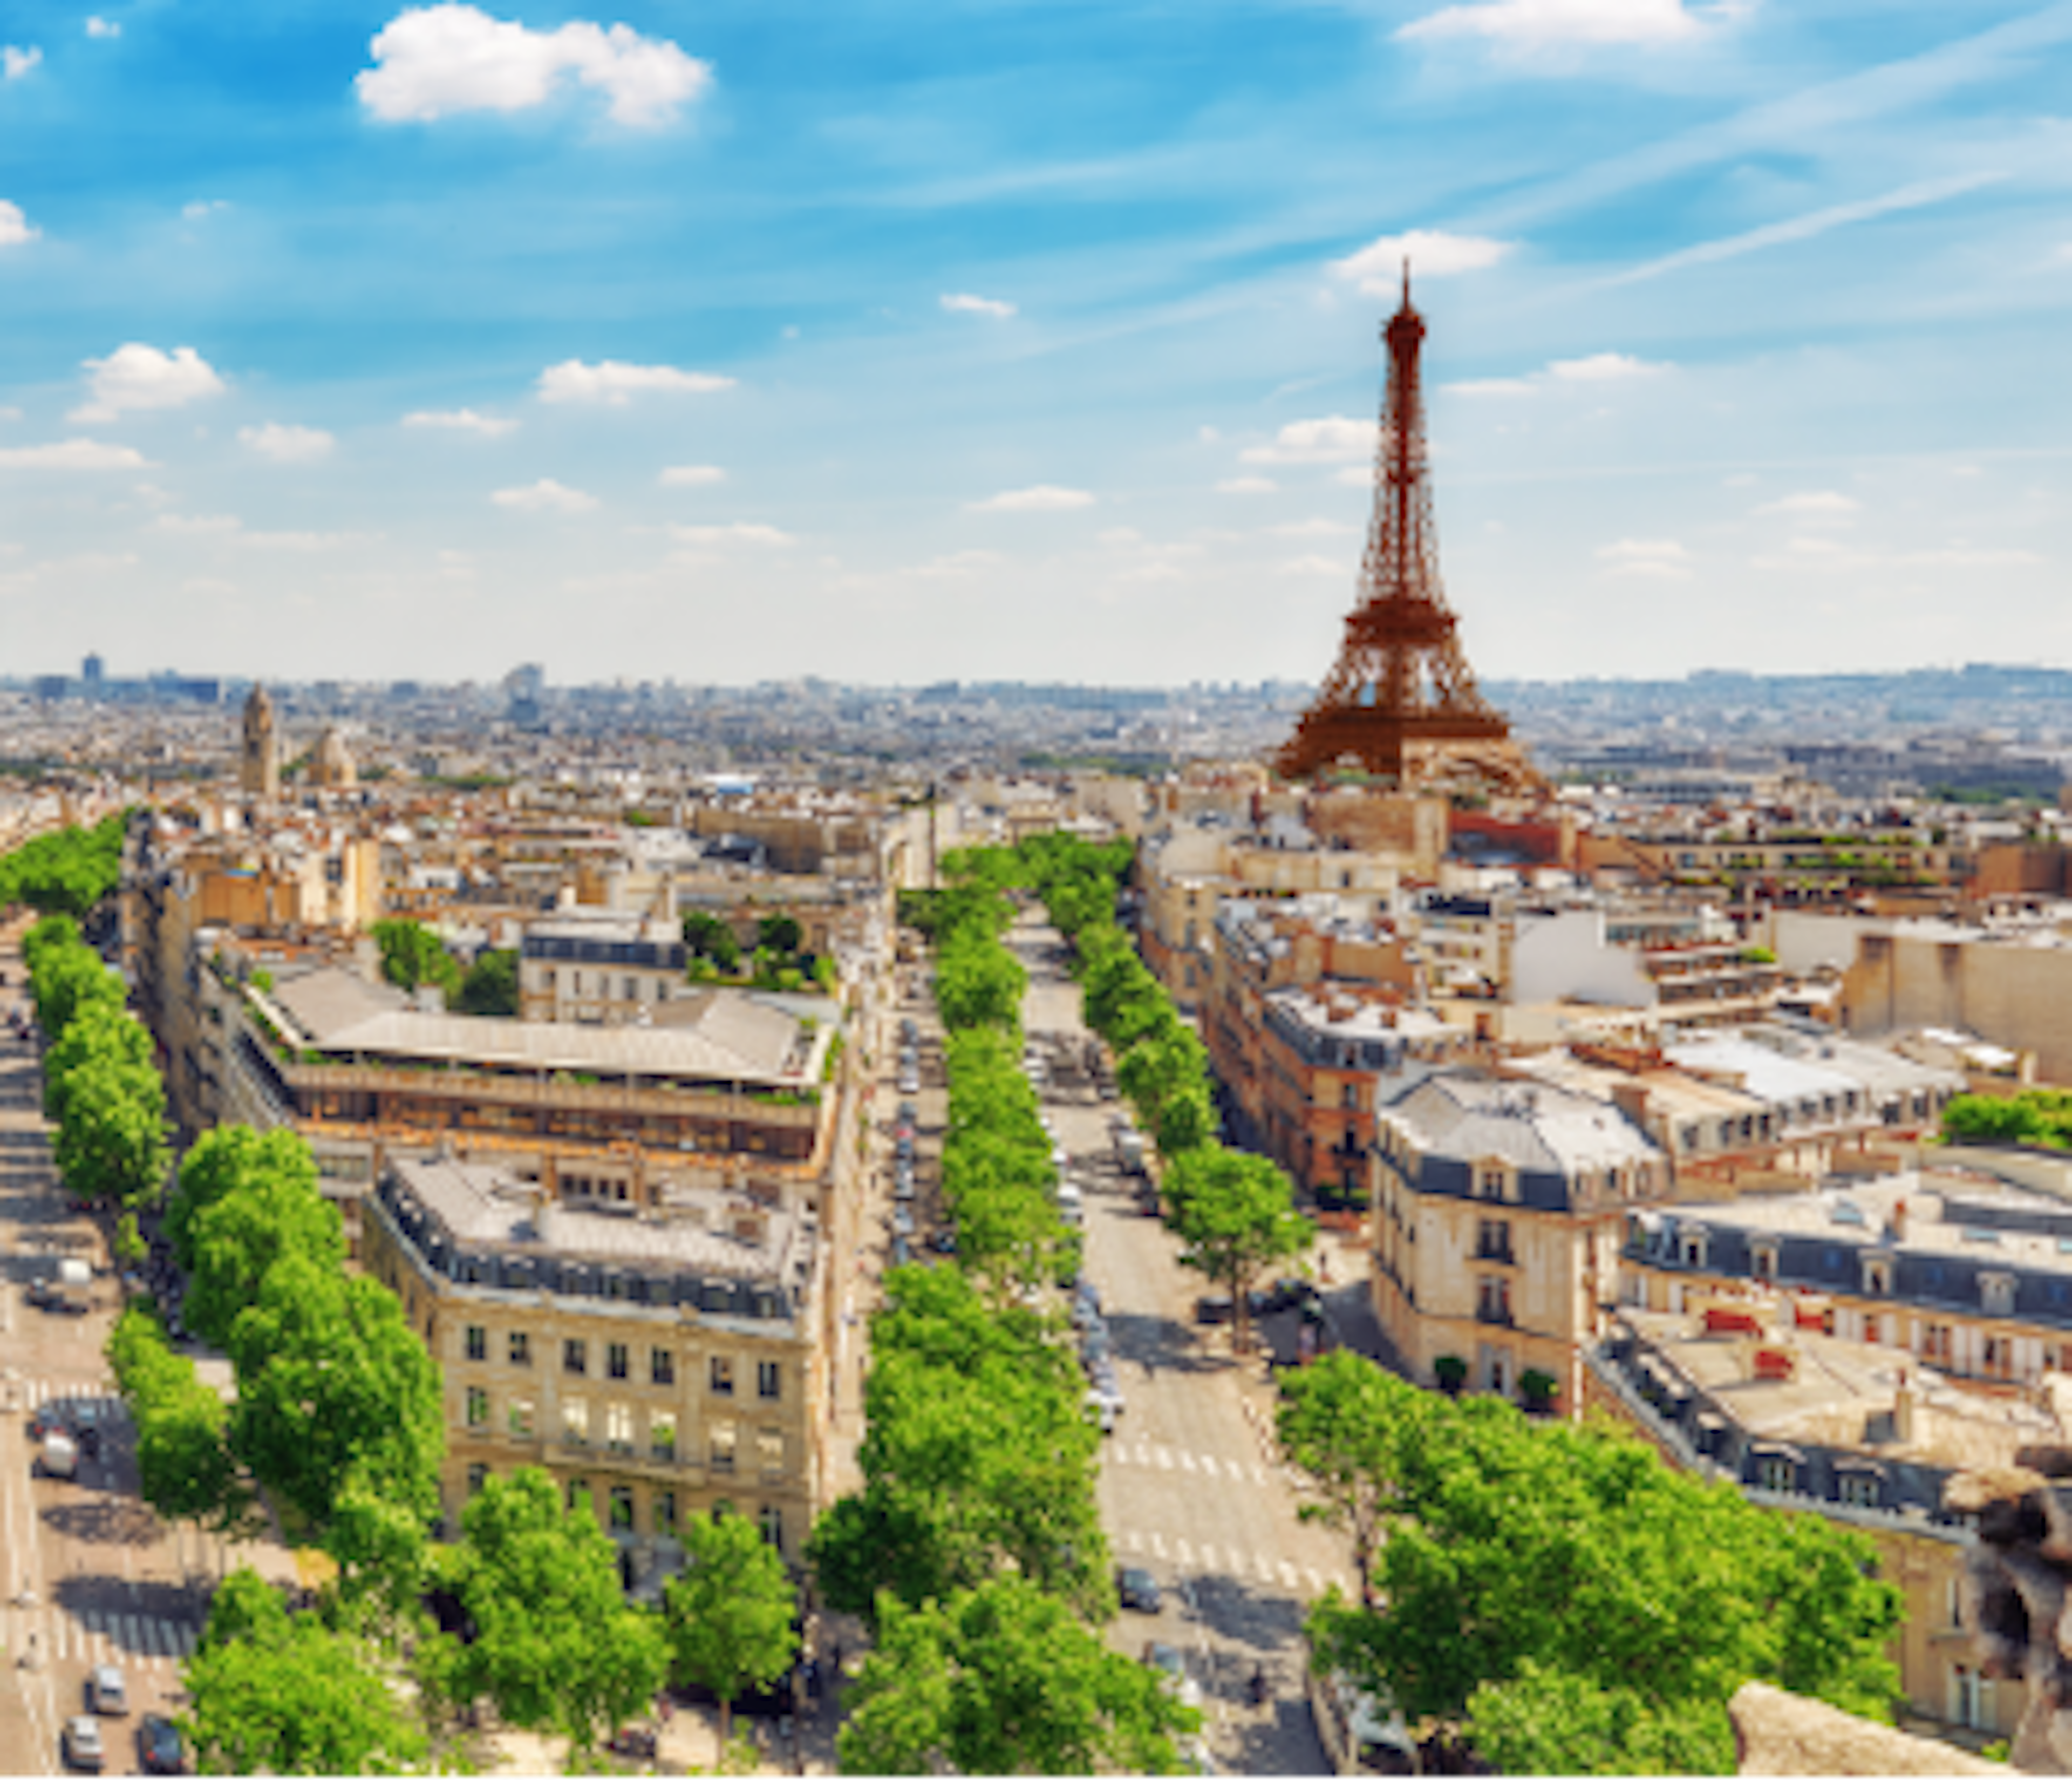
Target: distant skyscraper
(260,772)
(522,687)
(90,671)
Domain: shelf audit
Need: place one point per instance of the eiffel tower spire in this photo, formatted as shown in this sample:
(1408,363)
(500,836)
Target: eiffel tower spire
(1401,689)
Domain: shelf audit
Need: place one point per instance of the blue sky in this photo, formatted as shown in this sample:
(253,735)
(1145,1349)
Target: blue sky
(977,339)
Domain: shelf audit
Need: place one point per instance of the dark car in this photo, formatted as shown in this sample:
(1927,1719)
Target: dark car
(1215,1308)
(944,1242)
(1136,1589)
(48,1418)
(158,1751)
(901,1254)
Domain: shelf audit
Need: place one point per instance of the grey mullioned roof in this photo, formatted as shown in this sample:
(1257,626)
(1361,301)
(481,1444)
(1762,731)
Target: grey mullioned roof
(1467,1115)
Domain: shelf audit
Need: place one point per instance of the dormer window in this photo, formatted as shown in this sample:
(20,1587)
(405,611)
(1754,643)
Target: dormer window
(1491,1182)
(1877,1275)
(1996,1293)
(1691,1246)
(1762,1255)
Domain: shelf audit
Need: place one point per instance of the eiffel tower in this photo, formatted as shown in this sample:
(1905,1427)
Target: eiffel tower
(1402,701)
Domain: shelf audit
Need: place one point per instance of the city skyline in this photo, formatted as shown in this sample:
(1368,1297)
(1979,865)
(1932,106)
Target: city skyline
(1011,343)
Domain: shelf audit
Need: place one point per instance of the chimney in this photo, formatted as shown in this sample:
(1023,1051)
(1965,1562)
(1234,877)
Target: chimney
(1630,1099)
(1906,1409)
(1899,1221)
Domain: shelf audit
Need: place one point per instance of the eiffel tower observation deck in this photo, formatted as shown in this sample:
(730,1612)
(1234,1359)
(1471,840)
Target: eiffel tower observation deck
(1401,701)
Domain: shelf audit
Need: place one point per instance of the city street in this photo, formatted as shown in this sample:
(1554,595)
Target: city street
(88,1574)
(1191,1488)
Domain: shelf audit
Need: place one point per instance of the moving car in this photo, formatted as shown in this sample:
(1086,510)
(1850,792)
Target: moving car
(1171,1665)
(106,1691)
(80,1743)
(159,1750)
(1215,1308)
(1136,1589)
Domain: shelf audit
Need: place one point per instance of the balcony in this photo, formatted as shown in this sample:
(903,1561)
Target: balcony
(1495,1314)
(1490,1250)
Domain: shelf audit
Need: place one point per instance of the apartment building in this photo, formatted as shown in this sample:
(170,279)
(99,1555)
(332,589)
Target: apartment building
(2010,982)
(663,1358)
(1498,1208)
(601,968)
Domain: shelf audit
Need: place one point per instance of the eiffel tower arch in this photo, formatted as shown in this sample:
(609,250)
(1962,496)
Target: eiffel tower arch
(1401,701)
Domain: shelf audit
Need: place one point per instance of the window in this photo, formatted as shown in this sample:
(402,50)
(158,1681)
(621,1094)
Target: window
(478,1344)
(614,1360)
(1493,1239)
(665,1512)
(521,1350)
(1493,1299)
(575,1356)
(1349,1095)
(770,1453)
(575,1422)
(622,1509)
(1996,1293)
(521,1418)
(1489,1183)
(1878,1275)
(769,1379)
(478,1408)
(662,1366)
(771,1520)
(1970,1698)
(1860,1489)
(662,1435)
(1763,1264)
(478,1476)
(721,1449)
(618,1428)
(722,1375)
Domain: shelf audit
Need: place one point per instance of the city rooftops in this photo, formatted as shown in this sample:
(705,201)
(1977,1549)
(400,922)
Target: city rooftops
(719,1251)
(1467,1114)
(727,1036)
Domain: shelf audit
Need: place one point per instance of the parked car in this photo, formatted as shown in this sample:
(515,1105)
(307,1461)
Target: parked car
(1136,1589)
(902,1253)
(902,1221)
(944,1242)
(910,1082)
(159,1750)
(902,1184)
(1215,1308)
(1171,1664)
(909,1115)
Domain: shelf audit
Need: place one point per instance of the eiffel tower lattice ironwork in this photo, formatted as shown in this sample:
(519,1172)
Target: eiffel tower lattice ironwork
(1401,689)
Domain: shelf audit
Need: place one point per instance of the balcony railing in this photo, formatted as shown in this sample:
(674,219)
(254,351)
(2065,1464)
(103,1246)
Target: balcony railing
(1495,1314)
(1490,1251)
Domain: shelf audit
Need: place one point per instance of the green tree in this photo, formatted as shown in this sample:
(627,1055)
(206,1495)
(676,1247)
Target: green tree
(225,1158)
(102,1032)
(1334,1422)
(1234,1214)
(709,937)
(1545,1721)
(779,933)
(729,1613)
(490,986)
(557,1648)
(411,955)
(112,1145)
(1516,1554)
(979,984)
(334,1389)
(234,1241)
(284,1695)
(186,1471)
(67,871)
(64,977)
(1003,1680)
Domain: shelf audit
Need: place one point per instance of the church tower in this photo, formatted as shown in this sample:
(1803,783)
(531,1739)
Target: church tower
(260,772)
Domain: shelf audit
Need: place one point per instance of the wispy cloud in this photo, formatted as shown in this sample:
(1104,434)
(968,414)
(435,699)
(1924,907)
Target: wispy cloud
(1329,439)
(1248,485)
(433,62)
(1597,368)
(281,444)
(15,228)
(1539,24)
(615,383)
(73,454)
(544,496)
(137,377)
(1830,556)
(1041,498)
(1811,225)
(15,63)
(98,26)
(739,532)
(1377,268)
(691,476)
(1828,504)
(963,303)
(489,426)
(1661,559)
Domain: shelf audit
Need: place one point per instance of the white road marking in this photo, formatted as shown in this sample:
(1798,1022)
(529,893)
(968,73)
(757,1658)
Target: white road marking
(1288,1574)
(1259,1476)
(1316,1583)
(1133,1541)
(1264,1566)
(1157,1545)
(188,1638)
(1186,1461)
(1183,1551)
(1165,1459)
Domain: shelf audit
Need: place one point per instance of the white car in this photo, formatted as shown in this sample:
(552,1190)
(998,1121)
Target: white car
(106,1692)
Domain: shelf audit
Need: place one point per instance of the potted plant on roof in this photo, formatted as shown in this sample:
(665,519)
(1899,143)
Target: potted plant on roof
(1451,1372)
(1540,1390)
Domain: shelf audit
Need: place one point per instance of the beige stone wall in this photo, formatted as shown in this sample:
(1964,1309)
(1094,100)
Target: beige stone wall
(2018,996)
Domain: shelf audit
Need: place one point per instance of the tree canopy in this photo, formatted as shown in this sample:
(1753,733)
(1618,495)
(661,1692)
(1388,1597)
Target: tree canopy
(729,1613)
(411,955)
(1234,1214)
(1559,1576)
(67,871)
(491,985)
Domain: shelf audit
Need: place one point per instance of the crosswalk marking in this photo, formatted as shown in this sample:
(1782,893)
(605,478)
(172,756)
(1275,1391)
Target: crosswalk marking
(1183,1552)
(138,1642)
(1157,1545)
(1186,1460)
(1286,1574)
(1165,1459)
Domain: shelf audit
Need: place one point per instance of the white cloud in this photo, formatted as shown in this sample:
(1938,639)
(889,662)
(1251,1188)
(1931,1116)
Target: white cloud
(544,496)
(691,476)
(299,540)
(137,377)
(98,26)
(1311,566)
(15,63)
(1539,24)
(740,531)
(1317,527)
(1829,556)
(489,426)
(196,208)
(1247,485)
(1327,440)
(1664,559)
(611,381)
(284,444)
(15,228)
(1601,368)
(432,62)
(1356,476)
(1377,268)
(1813,504)
(1041,498)
(1596,368)
(73,454)
(963,303)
